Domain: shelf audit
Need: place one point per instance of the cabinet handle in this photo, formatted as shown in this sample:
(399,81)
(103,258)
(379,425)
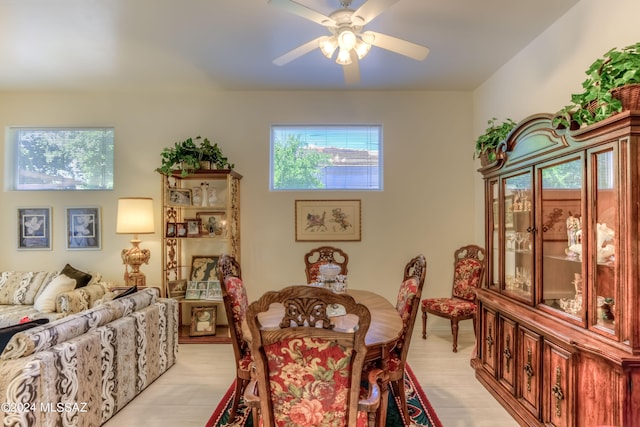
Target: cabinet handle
(507,352)
(556,390)
(531,229)
(528,369)
(489,339)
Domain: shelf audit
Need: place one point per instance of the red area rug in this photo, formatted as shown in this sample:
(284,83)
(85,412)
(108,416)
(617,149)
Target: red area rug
(420,410)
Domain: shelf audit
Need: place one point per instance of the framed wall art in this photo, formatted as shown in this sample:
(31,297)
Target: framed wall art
(327,220)
(34,228)
(203,267)
(83,228)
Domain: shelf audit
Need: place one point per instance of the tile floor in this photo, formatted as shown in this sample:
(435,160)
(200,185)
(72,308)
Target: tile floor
(187,394)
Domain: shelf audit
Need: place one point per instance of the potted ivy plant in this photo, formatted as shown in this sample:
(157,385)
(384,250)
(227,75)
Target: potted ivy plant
(212,154)
(487,143)
(187,156)
(612,85)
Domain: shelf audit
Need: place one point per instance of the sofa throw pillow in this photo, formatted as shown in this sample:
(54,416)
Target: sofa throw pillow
(82,278)
(9,331)
(46,301)
(126,292)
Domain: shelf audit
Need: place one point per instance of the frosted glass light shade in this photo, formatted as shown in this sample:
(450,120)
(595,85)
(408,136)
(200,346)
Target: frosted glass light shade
(135,215)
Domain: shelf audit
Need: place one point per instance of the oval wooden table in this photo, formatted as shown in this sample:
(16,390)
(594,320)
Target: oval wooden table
(384,331)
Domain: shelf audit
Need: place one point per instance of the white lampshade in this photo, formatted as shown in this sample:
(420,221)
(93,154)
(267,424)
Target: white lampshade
(135,215)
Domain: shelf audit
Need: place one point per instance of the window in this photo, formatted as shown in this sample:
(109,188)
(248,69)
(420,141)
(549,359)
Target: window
(60,158)
(326,157)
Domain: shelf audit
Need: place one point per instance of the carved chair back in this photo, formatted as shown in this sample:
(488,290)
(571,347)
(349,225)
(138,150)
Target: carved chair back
(306,367)
(468,271)
(409,300)
(234,296)
(323,255)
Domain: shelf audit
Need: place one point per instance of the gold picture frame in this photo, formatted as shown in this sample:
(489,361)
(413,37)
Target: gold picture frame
(177,289)
(327,220)
(203,321)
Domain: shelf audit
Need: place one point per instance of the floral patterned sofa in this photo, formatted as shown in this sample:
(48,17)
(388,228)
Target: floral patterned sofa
(83,368)
(44,294)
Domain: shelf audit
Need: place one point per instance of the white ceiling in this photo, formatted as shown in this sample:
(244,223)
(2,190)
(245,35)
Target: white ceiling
(229,44)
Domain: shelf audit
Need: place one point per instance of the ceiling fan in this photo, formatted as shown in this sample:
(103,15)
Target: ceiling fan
(348,37)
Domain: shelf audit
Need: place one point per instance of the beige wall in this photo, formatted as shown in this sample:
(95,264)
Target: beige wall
(425,207)
(542,77)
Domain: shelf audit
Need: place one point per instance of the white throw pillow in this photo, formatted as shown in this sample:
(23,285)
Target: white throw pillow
(46,301)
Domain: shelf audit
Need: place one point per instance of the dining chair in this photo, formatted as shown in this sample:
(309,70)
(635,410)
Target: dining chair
(234,296)
(322,255)
(308,371)
(407,306)
(468,273)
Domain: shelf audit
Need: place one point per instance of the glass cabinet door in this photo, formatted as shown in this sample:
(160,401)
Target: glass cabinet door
(605,235)
(493,273)
(560,201)
(518,236)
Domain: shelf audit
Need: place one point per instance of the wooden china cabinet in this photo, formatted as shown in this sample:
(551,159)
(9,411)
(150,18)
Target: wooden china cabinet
(559,316)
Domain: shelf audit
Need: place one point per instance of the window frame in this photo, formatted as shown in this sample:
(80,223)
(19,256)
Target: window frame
(13,160)
(378,175)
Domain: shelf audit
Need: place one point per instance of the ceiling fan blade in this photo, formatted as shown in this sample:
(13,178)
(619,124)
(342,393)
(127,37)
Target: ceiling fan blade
(394,44)
(303,11)
(352,71)
(298,52)
(372,8)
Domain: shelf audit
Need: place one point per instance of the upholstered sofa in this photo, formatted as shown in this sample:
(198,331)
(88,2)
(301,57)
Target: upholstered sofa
(44,294)
(84,367)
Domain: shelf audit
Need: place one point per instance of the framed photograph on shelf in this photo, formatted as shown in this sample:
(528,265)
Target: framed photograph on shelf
(193,227)
(181,229)
(180,196)
(83,228)
(34,229)
(327,220)
(177,289)
(203,321)
(192,292)
(213,223)
(213,291)
(171,229)
(203,267)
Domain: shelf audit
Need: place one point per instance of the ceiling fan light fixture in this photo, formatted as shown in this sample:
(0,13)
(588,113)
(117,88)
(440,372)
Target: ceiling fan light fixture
(344,57)
(362,49)
(347,39)
(328,46)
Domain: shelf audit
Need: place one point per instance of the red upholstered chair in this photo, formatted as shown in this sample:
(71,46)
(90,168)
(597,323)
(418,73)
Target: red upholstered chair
(407,305)
(236,302)
(322,255)
(307,372)
(468,273)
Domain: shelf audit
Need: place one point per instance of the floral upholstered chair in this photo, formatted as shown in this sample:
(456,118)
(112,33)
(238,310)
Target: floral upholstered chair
(307,372)
(407,306)
(236,302)
(468,273)
(323,255)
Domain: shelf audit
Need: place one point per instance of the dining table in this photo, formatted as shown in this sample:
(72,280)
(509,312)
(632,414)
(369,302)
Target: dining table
(384,331)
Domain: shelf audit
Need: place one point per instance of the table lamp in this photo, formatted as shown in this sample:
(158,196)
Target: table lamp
(135,216)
